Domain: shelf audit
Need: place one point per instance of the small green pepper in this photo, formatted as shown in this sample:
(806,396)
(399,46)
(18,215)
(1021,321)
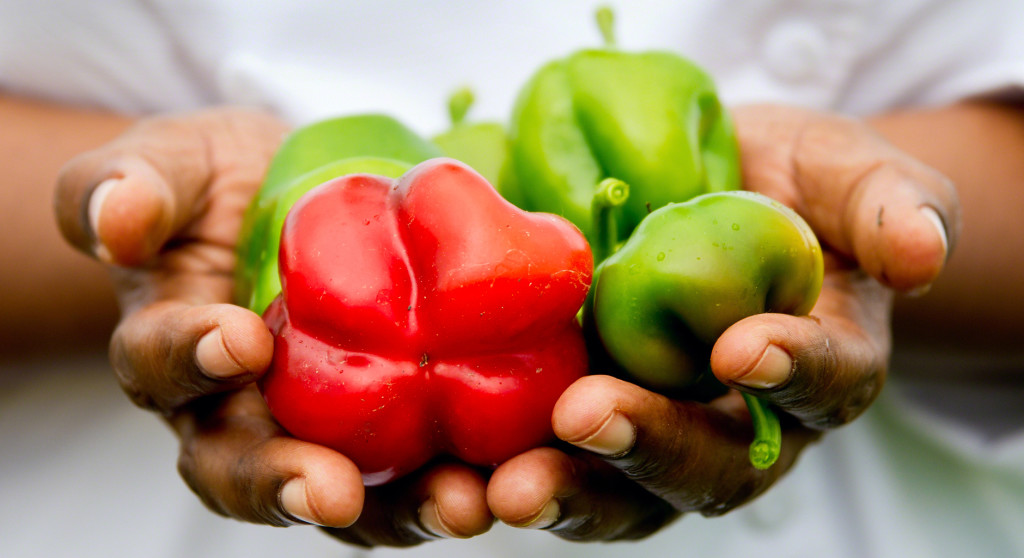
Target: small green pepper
(651,119)
(687,273)
(310,156)
(481,145)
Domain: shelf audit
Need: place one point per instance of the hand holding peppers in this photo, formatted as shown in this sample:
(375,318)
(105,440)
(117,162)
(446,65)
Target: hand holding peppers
(169,351)
(691,270)
(822,370)
(180,185)
(590,127)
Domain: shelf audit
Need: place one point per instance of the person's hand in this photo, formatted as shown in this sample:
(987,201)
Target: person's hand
(162,205)
(636,459)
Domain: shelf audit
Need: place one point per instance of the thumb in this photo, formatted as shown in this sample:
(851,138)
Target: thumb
(124,201)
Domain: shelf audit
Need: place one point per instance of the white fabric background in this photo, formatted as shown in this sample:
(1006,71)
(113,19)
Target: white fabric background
(317,58)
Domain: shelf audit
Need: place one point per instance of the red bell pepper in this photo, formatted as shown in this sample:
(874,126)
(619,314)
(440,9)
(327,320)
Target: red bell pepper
(422,316)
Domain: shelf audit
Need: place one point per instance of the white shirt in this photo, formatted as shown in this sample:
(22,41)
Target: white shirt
(899,482)
(312,59)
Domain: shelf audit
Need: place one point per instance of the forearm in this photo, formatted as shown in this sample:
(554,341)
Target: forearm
(976,302)
(52,297)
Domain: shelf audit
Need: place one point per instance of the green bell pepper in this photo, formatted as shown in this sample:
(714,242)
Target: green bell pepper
(481,145)
(688,272)
(651,119)
(310,156)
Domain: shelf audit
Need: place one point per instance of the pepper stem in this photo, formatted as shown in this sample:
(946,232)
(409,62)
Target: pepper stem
(767,444)
(606,23)
(459,104)
(611,194)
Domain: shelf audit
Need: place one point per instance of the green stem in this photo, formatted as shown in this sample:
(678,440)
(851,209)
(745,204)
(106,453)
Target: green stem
(767,444)
(611,194)
(606,23)
(458,105)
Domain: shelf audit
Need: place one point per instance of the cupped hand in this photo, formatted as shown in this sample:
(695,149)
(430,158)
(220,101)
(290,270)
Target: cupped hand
(162,206)
(634,460)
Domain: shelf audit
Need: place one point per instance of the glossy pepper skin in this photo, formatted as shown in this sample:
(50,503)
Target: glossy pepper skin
(310,156)
(691,270)
(424,316)
(650,119)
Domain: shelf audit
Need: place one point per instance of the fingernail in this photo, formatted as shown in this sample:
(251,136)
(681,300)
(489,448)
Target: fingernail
(615,437)
(213,357)
(430,520)
(547,517)
(935,219)
(774,368)
(96,201)
(294,501)
(919,291)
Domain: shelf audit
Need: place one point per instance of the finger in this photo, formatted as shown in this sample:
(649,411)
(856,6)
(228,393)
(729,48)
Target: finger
(455,503)
(864,198)
(123,201)
(895,223)
(694,456)
(168,353)
(824,369)
(242,465)
(577,498)
(444,501)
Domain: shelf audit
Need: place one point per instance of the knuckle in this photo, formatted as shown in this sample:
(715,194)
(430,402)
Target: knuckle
(255,136)
(830,394)
(639,515)
(140,397)
(657,467)
(154,364)
(231,480)
(673,464)
(858,399)
(260,488)
(189,471)
(129,377)
(159,126)
(680,475)
(647,470)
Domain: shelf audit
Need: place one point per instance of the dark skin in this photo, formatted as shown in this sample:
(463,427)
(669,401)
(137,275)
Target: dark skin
(989,184)
(41,308)
(611,479)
